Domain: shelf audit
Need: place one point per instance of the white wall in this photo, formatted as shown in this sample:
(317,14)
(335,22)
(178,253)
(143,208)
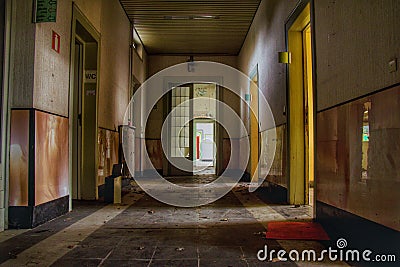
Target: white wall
(264,40)
(51,85)
(22,53)
(114,64)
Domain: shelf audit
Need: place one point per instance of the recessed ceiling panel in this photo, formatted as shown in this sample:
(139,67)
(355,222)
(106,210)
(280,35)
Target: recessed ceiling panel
(191,27)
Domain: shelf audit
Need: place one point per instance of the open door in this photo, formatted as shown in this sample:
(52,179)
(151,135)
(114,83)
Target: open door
(180,131)
(83,105)
(301,108)
(193,145)
(77,164)
(204,148)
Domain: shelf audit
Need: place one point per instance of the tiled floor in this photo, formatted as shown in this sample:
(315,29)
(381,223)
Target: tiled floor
(145,232)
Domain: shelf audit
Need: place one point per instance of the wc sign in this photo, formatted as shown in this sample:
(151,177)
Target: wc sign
(90,76)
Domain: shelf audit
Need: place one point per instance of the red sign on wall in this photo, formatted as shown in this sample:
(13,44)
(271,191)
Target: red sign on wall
(55,42)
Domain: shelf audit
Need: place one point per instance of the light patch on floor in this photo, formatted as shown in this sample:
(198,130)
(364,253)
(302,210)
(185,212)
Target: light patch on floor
(151,233)
(54,247)
(10,233)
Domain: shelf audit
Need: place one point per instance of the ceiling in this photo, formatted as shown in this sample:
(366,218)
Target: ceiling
(191,27)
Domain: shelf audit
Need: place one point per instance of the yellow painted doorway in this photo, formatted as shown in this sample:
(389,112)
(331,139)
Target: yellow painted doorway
(254,129)
(301,110)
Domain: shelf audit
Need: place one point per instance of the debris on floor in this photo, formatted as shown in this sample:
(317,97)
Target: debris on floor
(12,255)
(150,211)
(180,249)
(260,233)
(41,231)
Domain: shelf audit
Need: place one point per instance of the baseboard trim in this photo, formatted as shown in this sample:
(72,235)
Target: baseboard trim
(30,217)
(359,232)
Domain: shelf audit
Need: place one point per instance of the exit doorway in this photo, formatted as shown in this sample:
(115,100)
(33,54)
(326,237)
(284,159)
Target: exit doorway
(204,147)
(83,107)
(301,108)
(193,142)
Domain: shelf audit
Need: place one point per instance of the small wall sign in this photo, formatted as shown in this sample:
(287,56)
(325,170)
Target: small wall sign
(90,92)
(55,42)
(90,76)
(45,11)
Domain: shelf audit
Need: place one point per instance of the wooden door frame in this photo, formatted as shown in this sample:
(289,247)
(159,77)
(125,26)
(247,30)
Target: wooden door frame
(79,17)
(217,80)
(167,111)
(5,116)
(205,120)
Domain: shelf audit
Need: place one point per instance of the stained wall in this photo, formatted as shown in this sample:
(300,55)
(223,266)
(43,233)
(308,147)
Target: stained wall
(40,77)
(354,43)
(266,37)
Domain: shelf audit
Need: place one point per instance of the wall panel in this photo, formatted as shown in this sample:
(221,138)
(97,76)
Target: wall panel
(51,157)
(355,40)
(358,157)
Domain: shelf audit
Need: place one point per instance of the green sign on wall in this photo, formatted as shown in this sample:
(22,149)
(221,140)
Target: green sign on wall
(45,11)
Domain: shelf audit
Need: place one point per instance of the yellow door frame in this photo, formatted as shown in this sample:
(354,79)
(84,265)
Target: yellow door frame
(309,112)
(300,154)
(254,126)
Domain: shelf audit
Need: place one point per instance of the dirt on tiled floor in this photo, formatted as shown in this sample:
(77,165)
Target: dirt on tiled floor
(228,232)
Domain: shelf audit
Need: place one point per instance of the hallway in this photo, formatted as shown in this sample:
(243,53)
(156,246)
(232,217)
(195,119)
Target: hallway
(145,232)
(261,113)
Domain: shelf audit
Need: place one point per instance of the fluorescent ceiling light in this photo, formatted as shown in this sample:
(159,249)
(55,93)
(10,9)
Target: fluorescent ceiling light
(206,17)
(191,17)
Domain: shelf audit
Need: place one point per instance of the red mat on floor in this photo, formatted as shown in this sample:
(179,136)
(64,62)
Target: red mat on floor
(296,231)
